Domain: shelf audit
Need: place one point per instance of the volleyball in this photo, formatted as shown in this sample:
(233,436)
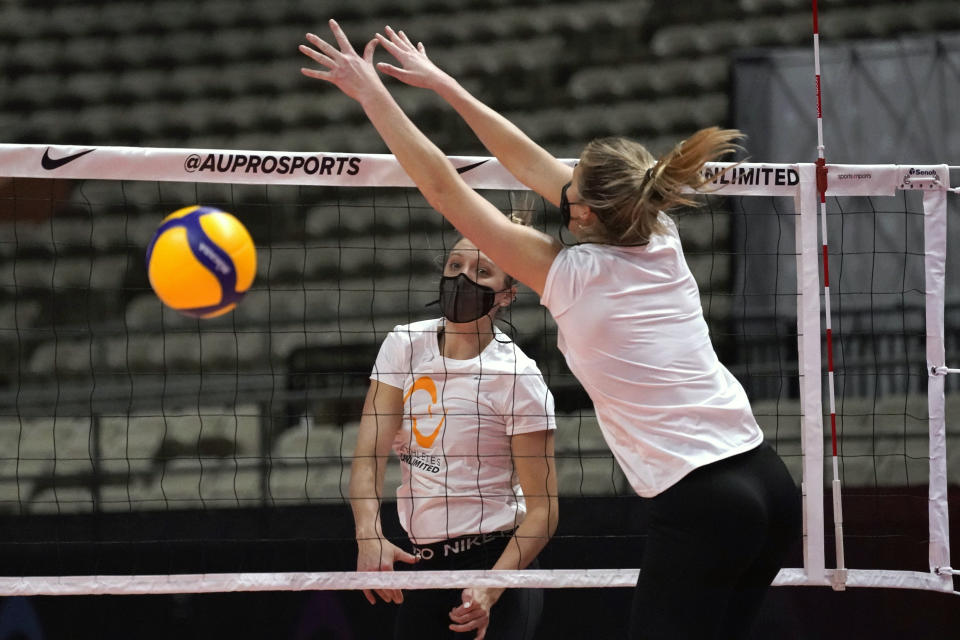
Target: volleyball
(201,261)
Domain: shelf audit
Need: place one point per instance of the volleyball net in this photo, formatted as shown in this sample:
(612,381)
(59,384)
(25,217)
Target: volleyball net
(142,451)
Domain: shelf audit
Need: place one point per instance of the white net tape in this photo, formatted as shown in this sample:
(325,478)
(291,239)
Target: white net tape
(339,581)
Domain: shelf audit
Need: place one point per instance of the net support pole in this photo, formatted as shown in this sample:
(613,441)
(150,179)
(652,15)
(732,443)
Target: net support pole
(840,574)
(935,257)
(809,360)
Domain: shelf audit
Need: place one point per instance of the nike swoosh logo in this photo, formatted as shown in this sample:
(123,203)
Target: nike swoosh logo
(50,164)
(472,166)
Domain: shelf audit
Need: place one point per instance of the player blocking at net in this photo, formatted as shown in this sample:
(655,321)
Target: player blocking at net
(723,509)
(471,419)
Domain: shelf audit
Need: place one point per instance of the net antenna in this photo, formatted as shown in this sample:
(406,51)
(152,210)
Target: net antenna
(839,580)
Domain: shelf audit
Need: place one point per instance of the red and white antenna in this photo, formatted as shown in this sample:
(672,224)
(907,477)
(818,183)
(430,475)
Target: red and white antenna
(840,575)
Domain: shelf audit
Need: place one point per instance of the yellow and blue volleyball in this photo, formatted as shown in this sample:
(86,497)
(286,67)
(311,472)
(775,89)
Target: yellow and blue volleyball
(201,261)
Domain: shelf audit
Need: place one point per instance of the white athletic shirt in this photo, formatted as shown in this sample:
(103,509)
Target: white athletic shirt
(454,440)
(632,330)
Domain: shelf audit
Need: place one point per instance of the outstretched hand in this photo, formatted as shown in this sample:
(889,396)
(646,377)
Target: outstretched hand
(351,73)
(416,68)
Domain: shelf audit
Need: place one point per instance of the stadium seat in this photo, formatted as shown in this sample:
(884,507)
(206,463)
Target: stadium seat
(303,482)
(61,500)
(309,441)
(13,493)
(712,271)
(777,6)
(63,357)
(37,55)
(643,80)
(598,475)
(146,313)
(227,486)
(312,463)
(87,88)
(578,433)
(319,330)
(33,91)
(326,263)
(103,233)
(401,294)
(702,230)
(62,446)
(20,23)
(92,53)
(129,444)
(187,484)
(228,432)
(19,314)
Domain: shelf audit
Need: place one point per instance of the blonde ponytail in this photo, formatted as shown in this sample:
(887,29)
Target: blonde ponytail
(628,188)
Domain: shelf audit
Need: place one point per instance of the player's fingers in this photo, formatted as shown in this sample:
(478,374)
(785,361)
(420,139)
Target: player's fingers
(369,49)
(467,626)
(313,73)
(405,39)
(341,37)
(403,556)
(324,46)
(386,68)
(369,596)
(395,72)
(393,35)
(389,45)
(422,49)
(465,614)
(316,56)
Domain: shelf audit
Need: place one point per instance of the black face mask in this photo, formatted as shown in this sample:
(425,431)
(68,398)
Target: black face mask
(564,207)
(463,300)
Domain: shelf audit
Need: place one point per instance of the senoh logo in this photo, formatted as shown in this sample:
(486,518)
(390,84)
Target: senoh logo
(281,165)
(920,178)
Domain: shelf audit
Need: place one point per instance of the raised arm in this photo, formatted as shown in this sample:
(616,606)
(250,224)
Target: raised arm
(529,163)
(378,427)
(521,251)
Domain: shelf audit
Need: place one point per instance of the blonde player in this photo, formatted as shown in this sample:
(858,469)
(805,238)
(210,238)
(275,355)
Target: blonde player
(724,511)
(471,420)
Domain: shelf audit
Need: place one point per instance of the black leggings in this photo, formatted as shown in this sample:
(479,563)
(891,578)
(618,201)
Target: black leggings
(716,541)
(425,613)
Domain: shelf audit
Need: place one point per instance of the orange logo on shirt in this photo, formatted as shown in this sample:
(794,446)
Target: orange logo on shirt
(425,383)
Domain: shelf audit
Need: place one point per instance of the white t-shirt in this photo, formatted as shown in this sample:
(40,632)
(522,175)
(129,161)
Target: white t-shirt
(454,440)
(632,330)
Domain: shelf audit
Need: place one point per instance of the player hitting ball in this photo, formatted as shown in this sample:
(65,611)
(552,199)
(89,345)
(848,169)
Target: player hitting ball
(723,509)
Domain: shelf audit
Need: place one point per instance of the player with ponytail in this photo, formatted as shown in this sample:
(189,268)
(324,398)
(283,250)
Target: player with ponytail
(723,509)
